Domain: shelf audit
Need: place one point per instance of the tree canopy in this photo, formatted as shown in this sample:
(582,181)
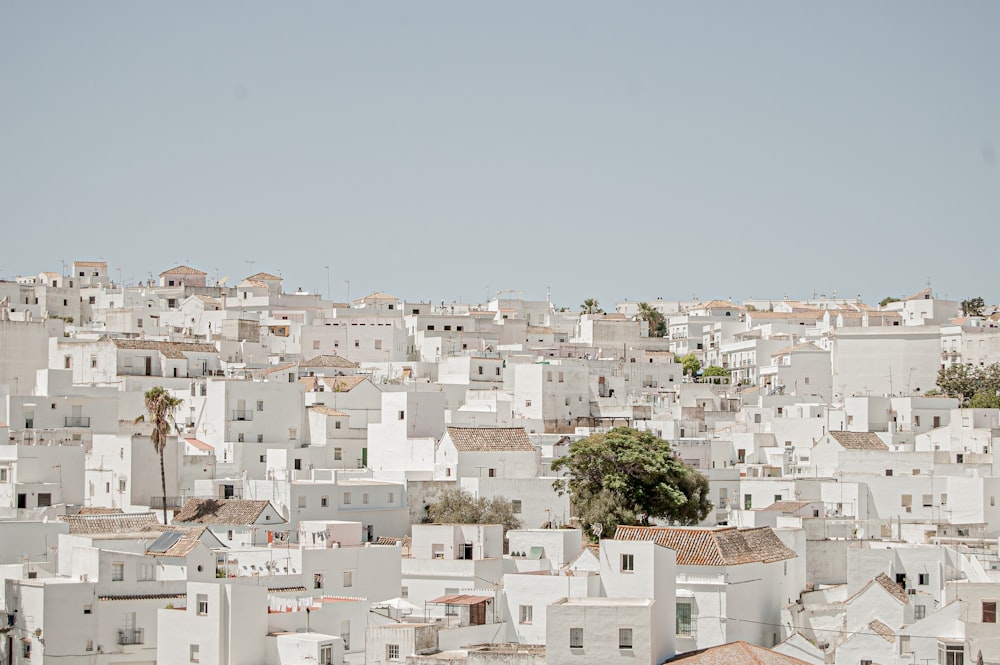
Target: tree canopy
(690,363)
(885,301)
(629,477)
(161,406)
(591,306)
(459,506)
(973,307)
(654,318)
(968,383)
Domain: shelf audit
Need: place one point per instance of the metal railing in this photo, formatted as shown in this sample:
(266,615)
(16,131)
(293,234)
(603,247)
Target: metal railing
(77,421)
(130,636)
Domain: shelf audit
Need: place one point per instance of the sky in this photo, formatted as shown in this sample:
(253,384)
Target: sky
(451,150)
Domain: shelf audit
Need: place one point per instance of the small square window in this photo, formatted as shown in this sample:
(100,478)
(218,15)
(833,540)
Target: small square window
(525,613)
(989,611)
(324,502)
(202,603)
(516,505)
(347,498)
(628,563)
(348,578)
(924,579)
(118,571)
(392,652)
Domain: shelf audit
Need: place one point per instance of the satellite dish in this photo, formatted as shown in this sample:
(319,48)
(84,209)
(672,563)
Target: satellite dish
(222,281)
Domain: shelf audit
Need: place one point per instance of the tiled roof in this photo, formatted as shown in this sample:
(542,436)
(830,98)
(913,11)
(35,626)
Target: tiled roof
(922,294)
(886,582)
(712,547)
(786,506)
(718,304)
(736,653)
(220,511)
(859,440)
(489,439)
(766,544)
(812,314)
(190,537)
(329,360)
(182,270)
(110,523)
(200,445)
(99,510)
(883,631)
(376,295)
(326,411)
(538,330)
(145,596)
(804,346)
(253,282)
(263,277)
(91,264)
(175,350)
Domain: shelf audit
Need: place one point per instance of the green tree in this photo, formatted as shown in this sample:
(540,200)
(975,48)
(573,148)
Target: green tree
(459,506)
(161,407)
(715,371)
(973,307)
(654,319)
(967,381)
(985,400)
(885,301)
(591,306)
(629,477)
(690,363)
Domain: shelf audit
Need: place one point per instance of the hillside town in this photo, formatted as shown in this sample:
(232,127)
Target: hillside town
(194,470)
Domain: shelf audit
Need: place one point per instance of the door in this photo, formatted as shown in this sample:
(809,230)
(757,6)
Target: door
(149,365)
(22,500)
(467,551)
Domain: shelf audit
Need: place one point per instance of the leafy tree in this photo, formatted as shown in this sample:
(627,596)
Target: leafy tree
(591,306)
(690,363)
(161,406)
(459,506)
(967,382)
(973,307)
(715,371)
(629,477)
(885,301)
(654,318)
(985,400)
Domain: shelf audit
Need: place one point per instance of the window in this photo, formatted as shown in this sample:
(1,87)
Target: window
(317,580)
(193,653)
(683,618)
(260,438)
(624,638)
(118,571)
(260,405)
(924,579)
(3,474)
(202,603)
(88,608)
(524,613)
(576,638)
(628,563)
(364,497)
(89,645)
(404,592)
(229,534)
(777,497)
(44,499)
(348,578)
(515,505)
(527,402)
(989,611)
(336,424)
(498,371)
(302,502)
(324,502)
(263,459)
(326,654)
(297,464)
(944,499)
(93,362)
(937,421)
(392,652)
(378,344)
(919,612)
(67,362)
(492,473)
(747,501)
(951,654)
(338,453)
(347,498)
(392,497)
(315,344)
(402,415)
(928,501)
(26,649)
(866,661)
(888,472)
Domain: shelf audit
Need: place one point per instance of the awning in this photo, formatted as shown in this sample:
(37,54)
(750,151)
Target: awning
(459,599)
(200,445)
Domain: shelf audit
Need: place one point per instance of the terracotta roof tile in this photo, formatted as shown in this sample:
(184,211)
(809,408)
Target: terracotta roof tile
(326,411)
(182,270)
(736,653)
(712,547)
(329,360)
(91,264)
(886,582)
(859,440)
(263,277)
(488,439)
(110,523)
(220,511)
(883,631)
(174,350)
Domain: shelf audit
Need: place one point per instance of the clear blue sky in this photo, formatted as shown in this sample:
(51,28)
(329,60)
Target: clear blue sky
(435,149)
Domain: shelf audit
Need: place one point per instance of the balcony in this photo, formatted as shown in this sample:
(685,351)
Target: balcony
(242,414)
(77,421)
(130,636)
(173,502)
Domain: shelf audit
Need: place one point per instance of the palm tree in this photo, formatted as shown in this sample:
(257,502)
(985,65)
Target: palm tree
(653,318)
(161,406)
(591,306)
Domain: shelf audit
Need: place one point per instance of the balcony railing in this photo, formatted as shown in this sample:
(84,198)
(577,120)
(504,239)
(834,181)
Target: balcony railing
(130,636)
(242,414)
(77,421)
(173,502)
